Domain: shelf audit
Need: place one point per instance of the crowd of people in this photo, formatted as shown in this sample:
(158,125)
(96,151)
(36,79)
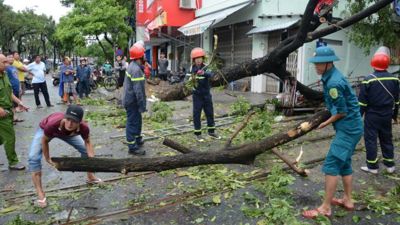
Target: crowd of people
(377,105)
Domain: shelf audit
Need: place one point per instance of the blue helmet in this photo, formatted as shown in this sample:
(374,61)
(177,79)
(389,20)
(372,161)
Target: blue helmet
(324,54)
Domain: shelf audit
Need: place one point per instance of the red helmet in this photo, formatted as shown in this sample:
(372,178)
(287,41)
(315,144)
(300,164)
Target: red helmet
(381,59)
(197,52)
(136,52)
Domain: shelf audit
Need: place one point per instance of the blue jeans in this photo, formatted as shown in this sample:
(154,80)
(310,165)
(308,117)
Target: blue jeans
(35,151)
(133,126)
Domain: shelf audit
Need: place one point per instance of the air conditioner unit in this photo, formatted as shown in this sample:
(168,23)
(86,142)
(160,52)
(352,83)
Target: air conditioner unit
(187,4)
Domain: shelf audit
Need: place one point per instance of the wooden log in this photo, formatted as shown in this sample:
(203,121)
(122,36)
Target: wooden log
(234,155)
(175,145)
(290,163)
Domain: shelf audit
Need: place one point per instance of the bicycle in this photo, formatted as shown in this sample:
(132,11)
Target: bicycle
(110,82)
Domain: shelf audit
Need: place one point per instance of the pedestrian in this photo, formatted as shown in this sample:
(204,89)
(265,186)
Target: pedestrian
(7,134)
(379,101)
(67,73)
(37,69)
(345,117)
(162,67)
(202,99)
(12,74)
(21,72)
(134,100)
(120,69)
(67,127)
(83,73)
(107,69)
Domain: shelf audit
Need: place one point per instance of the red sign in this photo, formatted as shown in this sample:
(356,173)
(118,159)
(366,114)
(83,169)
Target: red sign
(141,15)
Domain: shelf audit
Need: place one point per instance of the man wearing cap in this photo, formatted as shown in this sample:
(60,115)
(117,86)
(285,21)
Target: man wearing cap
(7,134)
(345,117)
(379,101)
(67,127)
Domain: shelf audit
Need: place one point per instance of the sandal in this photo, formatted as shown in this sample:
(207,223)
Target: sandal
(339,202)
(18,120)
(314,213)
(95,181)
(41,203)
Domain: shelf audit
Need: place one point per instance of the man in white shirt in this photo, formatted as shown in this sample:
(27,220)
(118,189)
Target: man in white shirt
(37,69)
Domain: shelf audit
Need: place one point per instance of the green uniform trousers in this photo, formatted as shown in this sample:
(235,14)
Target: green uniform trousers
(7,137)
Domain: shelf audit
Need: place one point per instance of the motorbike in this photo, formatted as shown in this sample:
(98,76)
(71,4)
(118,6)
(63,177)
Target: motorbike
(28,83)
(56,79)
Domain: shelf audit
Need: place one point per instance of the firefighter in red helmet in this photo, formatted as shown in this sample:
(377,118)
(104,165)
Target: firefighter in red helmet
(134,100)
(202,99)
(379,101)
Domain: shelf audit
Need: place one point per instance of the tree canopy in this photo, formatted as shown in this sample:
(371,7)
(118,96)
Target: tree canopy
(95,20)
(376,29)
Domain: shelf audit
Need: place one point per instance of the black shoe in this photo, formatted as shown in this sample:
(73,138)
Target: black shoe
(139,141)
(214,135)
(17,166)
(137,152)
(50,106)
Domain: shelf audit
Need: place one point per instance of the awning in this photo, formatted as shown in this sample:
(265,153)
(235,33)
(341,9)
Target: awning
(275,24)
(159,21)
(202,23)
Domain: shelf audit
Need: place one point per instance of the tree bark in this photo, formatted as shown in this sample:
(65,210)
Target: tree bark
(274,62)
(234,155)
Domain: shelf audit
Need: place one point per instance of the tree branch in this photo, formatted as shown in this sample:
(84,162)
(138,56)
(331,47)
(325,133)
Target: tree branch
(239,154)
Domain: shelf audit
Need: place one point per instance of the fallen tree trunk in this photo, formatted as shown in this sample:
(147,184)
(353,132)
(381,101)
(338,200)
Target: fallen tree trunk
(234,155)
(275,61)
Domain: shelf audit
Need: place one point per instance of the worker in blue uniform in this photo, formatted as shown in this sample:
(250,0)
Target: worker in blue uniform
(202,99)
(134,100)
(379,101)
(345,117)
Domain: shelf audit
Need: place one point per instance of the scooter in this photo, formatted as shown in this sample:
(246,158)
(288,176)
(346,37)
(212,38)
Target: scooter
(56,79)
(28,83)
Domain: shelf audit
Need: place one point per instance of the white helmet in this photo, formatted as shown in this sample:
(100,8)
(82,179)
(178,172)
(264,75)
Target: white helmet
(140,42)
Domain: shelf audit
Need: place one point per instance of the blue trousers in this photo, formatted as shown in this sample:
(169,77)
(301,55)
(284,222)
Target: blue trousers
(133,126)
(35,151)
(84,88)
(203,102)
(378,127)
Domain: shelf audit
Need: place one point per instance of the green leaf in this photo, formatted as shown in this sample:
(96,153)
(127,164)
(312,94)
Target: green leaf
(217,199)
(356,219)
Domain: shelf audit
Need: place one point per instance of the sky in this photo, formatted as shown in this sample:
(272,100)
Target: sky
(48,7)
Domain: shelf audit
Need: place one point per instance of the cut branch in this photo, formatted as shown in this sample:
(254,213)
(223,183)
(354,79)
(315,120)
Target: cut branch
(235,155)
(292,164)
(175,145)
(240,128)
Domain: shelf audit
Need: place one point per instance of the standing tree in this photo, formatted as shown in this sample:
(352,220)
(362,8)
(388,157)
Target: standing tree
(95,18)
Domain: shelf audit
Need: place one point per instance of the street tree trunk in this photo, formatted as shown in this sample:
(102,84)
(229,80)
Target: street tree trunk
(232,155)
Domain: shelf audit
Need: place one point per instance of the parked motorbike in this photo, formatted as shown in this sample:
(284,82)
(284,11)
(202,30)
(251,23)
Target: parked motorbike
(28,83)
(56,79)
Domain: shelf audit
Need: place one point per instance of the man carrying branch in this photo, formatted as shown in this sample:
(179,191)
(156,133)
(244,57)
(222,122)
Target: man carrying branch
(345,117)
(68,127)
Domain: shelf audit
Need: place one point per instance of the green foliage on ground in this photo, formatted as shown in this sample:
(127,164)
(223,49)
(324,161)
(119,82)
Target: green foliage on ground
(240,107)
(276,207)
(259,127)
(161,112)
(382,204)
(18,220)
